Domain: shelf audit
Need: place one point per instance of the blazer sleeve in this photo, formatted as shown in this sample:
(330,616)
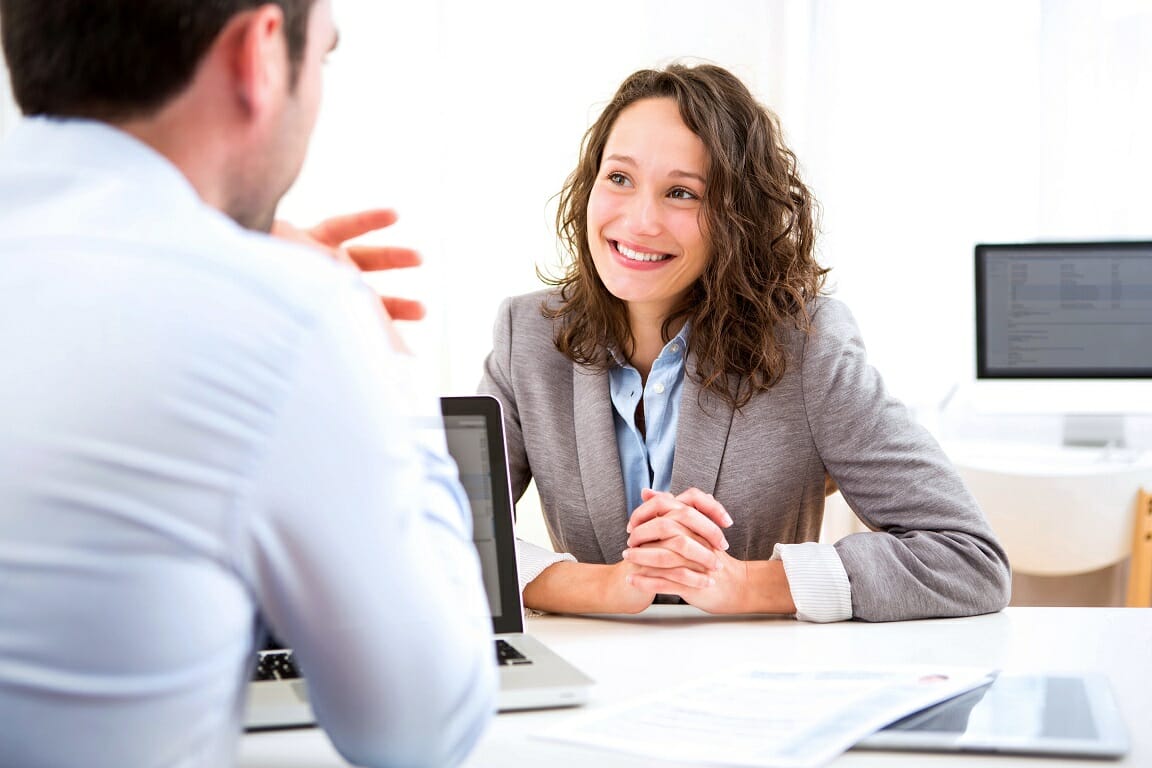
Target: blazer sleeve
(497,381)
(931,552)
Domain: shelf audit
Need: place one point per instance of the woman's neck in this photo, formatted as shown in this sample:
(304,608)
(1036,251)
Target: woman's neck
(647,339)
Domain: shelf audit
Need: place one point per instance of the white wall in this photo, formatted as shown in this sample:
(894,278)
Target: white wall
(467,117)
(933,126)
(923,128)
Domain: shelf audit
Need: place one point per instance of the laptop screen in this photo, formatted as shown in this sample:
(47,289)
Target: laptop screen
(474,428)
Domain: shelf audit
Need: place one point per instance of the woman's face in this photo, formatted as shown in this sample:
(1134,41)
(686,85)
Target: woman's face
(644,212)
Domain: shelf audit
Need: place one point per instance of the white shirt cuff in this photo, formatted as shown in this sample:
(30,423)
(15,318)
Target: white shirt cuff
(818,581)
(532,559)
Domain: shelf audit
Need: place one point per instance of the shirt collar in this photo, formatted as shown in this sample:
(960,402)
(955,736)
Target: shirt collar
(93,146)
(680,340)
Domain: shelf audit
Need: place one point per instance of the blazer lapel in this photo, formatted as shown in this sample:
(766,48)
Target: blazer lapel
(599,461)
(701,436)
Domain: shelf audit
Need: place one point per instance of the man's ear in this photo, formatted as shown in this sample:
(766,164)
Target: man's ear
(258,58)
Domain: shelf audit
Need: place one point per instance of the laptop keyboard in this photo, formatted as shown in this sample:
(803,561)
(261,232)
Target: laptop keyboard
(280,665)
(276,665)
(506,654)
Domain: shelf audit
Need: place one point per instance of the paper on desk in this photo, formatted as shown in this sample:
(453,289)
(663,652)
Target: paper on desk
(767,716)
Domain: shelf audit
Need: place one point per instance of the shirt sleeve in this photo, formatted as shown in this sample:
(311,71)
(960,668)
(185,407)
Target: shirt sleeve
(817,580)
(533,559)
(358,546)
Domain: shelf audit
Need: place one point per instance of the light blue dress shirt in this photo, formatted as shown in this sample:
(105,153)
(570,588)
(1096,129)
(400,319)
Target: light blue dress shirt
(202,431)
(646,459)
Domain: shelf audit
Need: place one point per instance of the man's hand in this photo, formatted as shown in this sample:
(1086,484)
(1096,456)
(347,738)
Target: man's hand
(332,236)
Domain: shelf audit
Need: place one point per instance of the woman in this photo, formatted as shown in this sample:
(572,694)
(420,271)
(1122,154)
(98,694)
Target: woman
(683,392)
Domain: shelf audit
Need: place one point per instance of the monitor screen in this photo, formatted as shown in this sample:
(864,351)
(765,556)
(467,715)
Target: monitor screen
(1064,310)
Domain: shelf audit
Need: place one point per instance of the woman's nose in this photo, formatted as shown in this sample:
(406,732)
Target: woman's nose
(644,215)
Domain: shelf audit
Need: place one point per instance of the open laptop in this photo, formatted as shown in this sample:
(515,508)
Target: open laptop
(531,675)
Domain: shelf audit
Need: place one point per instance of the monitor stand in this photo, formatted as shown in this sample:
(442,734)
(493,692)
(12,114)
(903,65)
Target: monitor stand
(1091,430)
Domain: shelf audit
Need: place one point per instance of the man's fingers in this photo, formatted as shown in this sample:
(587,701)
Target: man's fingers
(373,258)
(403,309)
(340,229)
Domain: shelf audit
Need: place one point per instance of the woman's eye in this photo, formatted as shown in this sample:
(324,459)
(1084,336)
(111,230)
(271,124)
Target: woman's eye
(618,178)
(679,193)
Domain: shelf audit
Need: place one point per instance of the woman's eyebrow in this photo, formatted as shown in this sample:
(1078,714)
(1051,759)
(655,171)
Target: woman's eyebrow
(688,175)
(628,160)
(621,159)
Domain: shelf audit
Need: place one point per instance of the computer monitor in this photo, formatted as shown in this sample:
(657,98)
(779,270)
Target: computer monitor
(1074,319)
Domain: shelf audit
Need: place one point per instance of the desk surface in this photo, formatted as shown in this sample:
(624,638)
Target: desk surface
(667,645)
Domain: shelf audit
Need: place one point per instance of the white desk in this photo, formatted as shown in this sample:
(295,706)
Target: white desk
(668,644)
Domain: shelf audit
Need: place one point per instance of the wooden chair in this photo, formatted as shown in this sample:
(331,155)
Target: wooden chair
(1140,570)
(1062,513)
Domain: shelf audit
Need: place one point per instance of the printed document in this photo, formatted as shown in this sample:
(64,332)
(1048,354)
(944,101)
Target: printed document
(767,716)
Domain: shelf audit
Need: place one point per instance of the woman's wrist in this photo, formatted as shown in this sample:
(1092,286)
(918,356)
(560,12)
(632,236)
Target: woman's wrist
(767,589)
(568,587)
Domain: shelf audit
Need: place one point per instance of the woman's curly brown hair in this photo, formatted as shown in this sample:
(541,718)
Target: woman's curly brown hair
(761,223)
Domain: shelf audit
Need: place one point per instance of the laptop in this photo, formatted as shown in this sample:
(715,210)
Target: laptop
(531,675)
(1058,715)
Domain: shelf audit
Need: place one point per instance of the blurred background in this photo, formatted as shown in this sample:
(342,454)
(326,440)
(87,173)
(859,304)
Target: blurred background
(922,127)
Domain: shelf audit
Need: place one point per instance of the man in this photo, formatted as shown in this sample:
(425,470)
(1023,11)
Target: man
(205,432)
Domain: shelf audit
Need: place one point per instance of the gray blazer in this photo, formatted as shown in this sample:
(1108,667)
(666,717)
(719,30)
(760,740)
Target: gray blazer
(930,551)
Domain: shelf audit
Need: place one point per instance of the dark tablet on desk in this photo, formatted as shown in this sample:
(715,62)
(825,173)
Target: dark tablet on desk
(1057,715)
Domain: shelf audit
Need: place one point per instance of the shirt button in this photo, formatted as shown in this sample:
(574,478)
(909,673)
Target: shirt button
(675,347)
(659,389)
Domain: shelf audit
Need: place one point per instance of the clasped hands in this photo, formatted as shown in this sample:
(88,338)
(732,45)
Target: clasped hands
(676,546)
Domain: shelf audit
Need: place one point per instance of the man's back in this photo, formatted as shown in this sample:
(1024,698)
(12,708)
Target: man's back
(200,424)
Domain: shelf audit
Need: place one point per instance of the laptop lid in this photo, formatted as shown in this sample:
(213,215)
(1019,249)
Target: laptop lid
(474,428)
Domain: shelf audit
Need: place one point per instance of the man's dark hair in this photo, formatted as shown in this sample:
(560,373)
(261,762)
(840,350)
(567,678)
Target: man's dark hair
(120,59)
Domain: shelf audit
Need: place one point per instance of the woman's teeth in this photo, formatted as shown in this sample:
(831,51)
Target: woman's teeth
(638,256)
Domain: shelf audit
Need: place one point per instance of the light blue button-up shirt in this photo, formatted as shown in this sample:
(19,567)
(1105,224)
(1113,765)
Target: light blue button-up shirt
(200,426)
(646,459)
